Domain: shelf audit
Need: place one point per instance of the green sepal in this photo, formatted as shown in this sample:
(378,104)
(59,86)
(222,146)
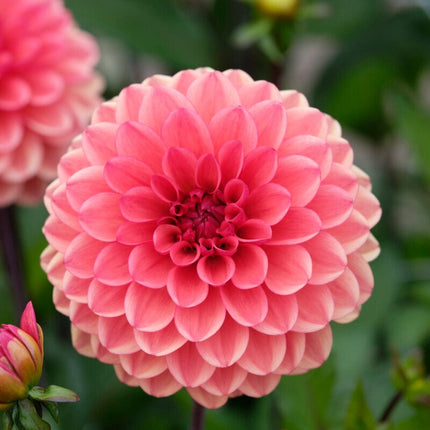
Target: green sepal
(28,417)
(7,422)
(359,416)
(53,393)
(52,408)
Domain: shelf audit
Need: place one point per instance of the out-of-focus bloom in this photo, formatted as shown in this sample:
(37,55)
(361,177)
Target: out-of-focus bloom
(204,230)
(48,90)
(21,358)
(278,8)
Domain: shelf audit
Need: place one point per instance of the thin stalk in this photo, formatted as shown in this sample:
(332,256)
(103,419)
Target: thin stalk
(197,417)
(390,407)
(12,258)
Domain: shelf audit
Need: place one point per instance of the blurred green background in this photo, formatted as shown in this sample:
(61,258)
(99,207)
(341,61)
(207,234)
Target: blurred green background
(367,63)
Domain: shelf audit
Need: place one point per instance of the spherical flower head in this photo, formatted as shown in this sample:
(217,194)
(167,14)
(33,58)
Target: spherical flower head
(21,358)
(48,90)
(203,232)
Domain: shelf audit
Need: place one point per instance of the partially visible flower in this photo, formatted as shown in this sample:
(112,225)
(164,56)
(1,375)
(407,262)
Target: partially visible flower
(278,8)
(48,90)
(21,358)
(205,230)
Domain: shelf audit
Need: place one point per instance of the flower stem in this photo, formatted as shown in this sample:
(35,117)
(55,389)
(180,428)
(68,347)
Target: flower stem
(390,407)
(197,417)
(12,257)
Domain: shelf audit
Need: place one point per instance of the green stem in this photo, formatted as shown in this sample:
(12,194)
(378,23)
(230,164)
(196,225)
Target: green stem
(197,417)
(390,407)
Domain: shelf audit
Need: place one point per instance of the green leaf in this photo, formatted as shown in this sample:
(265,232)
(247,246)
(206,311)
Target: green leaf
(29,418)
(252,32)
(419,421)
(359,415)
(7,421)
(53,393)
(159,28)
(52,408)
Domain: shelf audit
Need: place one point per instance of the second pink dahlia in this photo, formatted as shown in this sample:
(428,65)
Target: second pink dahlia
(48,90)
(203,232)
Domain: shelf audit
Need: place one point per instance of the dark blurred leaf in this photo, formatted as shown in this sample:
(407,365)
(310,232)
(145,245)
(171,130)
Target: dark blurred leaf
(420,421)
(7,422)
(158,28)
(359,415)
(52,408)
(29,418)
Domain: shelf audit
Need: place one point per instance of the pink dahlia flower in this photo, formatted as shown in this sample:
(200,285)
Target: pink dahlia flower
(47,92)
(203,232)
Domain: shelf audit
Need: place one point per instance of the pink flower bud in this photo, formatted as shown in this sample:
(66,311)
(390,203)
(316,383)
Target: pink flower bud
(21,358)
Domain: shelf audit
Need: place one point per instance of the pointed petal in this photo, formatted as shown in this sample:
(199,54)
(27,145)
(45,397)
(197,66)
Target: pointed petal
(254,230)
(215,269)
(259,386)
(75,289)
(116,335)
(290,267)
(251,266)
(164,188)
(367,204)
(296,343)
(28,322)
(308,121)
(263,354)
(58,234)
(188,367)
(179,164)
(165,236)
(230,158)
(98,142)
(162,385)
(258,91)
(142,365)
(225,381)
(259,166)
(226,346)
(129,102)
(201,321)
(82,317)
(111,265)
(362,272)
(292,99)
(135,233)
(105,300)
(208,173)
(247,307)
(206,399)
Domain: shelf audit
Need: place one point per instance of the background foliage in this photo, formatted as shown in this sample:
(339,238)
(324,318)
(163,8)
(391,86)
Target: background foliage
(365,62)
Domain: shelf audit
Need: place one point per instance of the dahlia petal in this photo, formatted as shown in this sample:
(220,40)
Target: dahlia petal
(46,87)
(342,151)
(290,268)
(52,120)
(346,294)
(141,204)
(75,289)
(306,121)
(184,128)
(251,266)
(316,308)
(342,177)
(258,91)
(164,188)
(225,381)
(317,349)
(60,206)
(132,233)
(14,93)
(185,287)
(116,335)
(215,269)
(370,249)
(100,216)
(259,166)
(148,309)
(233,123)
(104,113)
(98,142)
(263,354)
(188,367)
(268,202)
(201,321)
(208,173)
(124,377)
(246,307)
(81,341)
(11,131)
(158,103)
(82,317)
(181,81)
(101,353)
(105,300)
(235,192)
(266,114)
(292,99)
(61,302)
(210,93)
(310,147)
(230,158)
(183,253)
(332,204)
(352,233)
(162,385)
(259,386)
(206,399)
(111,265)
(238,78)
(301,176)
(84,184)
(129,102)
(58,234)
(298,226)
(328,258)
(281,315)
(367,204)
(160,342)
(71,162)
(254,230)
(123,173)
(179,164)
(226,346)
(139,141)
(296,344)
(142,365)
(165,236)
(81,255)
(362,272)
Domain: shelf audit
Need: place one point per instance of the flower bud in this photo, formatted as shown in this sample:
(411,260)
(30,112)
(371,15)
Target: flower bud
(21,358)
(278,8)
